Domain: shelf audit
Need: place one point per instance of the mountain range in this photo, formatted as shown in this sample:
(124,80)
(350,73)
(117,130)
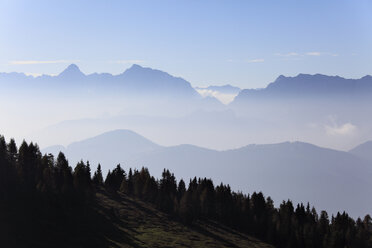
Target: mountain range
(136,79)
(317,85)
(289,170)
(131,92)
(318,95)
(142,79)
(329,111)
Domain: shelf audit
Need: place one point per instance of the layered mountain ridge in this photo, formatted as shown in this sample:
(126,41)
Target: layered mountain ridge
(289,170)
(316,85)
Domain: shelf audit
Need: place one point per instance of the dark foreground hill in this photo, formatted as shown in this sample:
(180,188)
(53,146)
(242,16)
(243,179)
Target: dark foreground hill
(145,226)
(116,220)
(46,203)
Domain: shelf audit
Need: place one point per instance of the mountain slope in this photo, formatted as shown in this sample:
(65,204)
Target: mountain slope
(113,220)
(118,146)
(143,79)
(317,85)
(298,171)
(363,151)
(144,226)
(72,72)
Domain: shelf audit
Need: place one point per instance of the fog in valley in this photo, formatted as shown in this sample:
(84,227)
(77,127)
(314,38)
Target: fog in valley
(304,127)
(326,111)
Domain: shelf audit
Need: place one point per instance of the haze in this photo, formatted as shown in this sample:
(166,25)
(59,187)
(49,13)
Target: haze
(198,82)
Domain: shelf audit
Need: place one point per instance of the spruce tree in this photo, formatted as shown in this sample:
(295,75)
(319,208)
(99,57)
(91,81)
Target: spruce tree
(97,177)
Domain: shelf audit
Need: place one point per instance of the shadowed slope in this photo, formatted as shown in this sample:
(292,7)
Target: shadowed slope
(147,227)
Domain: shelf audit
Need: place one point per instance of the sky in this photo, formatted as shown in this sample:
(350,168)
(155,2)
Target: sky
(243,43)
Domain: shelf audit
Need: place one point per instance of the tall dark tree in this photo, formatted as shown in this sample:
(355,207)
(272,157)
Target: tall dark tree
(114,178)
(168,192)
(13,151)
(82,180)
(64,177)
(181,189)
(97,177)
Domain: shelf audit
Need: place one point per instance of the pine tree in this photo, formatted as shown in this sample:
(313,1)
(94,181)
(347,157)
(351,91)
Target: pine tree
(181,189)
(12,150)
(97,177)
(81,179)
(130,182)
(64,179)
(115,178)
(185,208)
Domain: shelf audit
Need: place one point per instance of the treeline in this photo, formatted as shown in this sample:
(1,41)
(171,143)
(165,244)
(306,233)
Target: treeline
(286,226)
(52,188)
(46,203)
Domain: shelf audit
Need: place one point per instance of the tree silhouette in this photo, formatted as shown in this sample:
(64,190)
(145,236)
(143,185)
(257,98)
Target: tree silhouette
(38,189)
(97,177)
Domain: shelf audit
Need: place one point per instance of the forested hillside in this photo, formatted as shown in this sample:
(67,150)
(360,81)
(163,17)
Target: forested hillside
(44,203)
(282,171)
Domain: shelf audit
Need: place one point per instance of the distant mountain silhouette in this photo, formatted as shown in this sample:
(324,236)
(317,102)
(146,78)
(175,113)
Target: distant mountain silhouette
(299,171)
(302,85)
(138,87)
(142,79)
(314,108)
(55,149)
(320,84)
(363,151)
(118,146)
(13,76)
(136,79)
(147,79)
(72,72)
(312,103)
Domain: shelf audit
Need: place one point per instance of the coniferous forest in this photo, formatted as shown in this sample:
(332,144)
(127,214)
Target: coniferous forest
(44,202)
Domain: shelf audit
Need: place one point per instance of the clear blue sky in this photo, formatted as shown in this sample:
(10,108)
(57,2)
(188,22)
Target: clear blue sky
(245,43)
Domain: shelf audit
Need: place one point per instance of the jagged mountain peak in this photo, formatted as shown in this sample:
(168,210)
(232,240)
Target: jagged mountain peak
(71,71)
(136,69)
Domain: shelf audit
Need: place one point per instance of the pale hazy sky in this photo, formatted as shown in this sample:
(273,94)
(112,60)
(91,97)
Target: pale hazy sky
(244,43)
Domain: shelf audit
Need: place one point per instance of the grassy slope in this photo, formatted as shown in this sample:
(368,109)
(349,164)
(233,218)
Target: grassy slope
(138,224)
